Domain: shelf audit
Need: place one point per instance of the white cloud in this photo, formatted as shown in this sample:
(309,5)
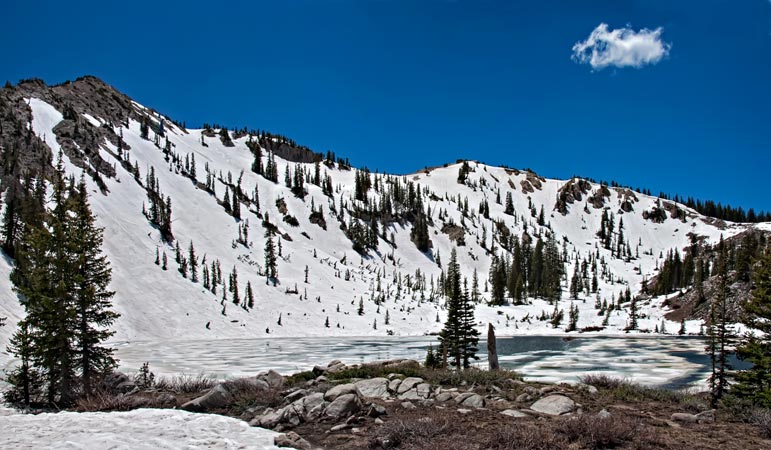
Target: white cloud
(623,47)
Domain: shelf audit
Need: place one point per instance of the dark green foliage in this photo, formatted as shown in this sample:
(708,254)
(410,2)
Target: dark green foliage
(755,347)
(458,337)
(719,332)
(26,381)
(62,277)
(271,265)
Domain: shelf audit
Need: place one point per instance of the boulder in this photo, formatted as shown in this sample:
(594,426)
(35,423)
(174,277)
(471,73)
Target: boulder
(474,401)
(274,379)
(373,388)
(604,414)
(393,385)
(702,417)
(343,406)
(408,405)
(554,405)
(524,398)
(460,398)
(684,417)
(588,388)
(269,419)
(513,413)
(340,389)
(445,396)
(408,383)
(706,416)
(217,397)
(376,410)
(118,382)
(296,395)
(292,439)
(412,394)
(423,390)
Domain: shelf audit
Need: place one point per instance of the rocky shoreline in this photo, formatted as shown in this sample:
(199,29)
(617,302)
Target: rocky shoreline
(401,404)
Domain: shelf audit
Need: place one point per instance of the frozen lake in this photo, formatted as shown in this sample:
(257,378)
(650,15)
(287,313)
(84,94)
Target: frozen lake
(660,361)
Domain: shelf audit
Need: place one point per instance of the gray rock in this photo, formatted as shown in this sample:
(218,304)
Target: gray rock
(292,439)
(343,406)
(217,397)
(445,396)
(547,389)
(408,383)
(296,395)
(321,379)
(379,421)
(474,401)
(408,405)
(464,410)
(702,417)
(554,405)
(412,394)
(273,378)
(373,388)
(514,413)
(118,382)
(524,398)
(684,417)
(376,410)
(706,416)
(340,389)
(423,390)
(340,427)
(247,383)
(532,391)
(393,386)
(269,419)
(604,414)
(588,388)
(460,398)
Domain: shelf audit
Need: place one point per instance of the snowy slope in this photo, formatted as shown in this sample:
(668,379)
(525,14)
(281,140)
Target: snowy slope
(157,304)
(137,429)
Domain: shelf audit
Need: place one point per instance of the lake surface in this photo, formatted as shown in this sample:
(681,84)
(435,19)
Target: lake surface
(656,361)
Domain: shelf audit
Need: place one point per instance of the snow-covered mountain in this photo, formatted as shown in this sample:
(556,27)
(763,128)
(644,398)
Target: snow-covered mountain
(394,286)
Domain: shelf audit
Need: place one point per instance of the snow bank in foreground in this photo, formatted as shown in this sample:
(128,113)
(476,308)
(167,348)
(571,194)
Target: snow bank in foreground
(138,429)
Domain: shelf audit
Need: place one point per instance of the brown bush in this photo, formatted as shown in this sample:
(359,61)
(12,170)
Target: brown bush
(594,432)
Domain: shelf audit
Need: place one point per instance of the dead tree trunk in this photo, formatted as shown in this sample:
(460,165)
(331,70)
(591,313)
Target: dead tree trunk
(492,351)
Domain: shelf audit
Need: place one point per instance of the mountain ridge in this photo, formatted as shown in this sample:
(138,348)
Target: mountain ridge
(347,232)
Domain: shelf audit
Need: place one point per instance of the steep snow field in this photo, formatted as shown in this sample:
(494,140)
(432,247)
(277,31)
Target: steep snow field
(139,429)
(161,305)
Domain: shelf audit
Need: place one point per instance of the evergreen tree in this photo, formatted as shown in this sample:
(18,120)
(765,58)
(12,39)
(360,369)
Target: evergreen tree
(91,276)
(25,379)
(755,346)
(459,337)
(249,295)
(719,331)
(193,262)
(271,269)
(62,276)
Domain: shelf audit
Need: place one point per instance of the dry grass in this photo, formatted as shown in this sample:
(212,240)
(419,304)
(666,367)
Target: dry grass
(419,433)
(762,419)
(184,384)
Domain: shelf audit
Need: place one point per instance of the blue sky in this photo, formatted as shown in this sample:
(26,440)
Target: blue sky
(399,85)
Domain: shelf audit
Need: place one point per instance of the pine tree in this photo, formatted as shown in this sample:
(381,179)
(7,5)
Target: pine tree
(63,276)
(25,379)
(755,346)
(193,262)
(459,337)
(719,331)
(271,270)
(249,296)
(91,275)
